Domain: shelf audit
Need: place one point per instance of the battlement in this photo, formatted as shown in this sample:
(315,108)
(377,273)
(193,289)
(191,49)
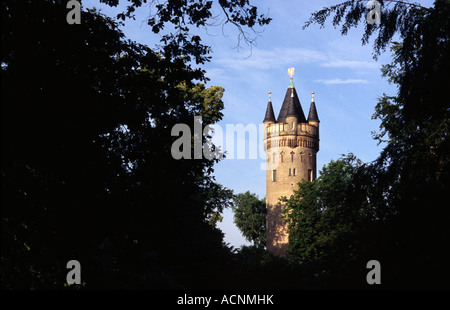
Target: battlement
(286,135)
(283,129)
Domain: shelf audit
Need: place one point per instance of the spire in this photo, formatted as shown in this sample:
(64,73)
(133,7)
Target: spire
(291,105)
(312,116)
(270,115)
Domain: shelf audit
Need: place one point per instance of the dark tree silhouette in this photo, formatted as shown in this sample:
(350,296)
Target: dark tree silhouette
(87,171)
(409,182)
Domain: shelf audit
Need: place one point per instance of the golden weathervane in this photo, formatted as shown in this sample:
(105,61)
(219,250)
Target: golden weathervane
(291,71)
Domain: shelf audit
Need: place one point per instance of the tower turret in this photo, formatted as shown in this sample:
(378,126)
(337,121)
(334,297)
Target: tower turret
(270,115)
(313,118)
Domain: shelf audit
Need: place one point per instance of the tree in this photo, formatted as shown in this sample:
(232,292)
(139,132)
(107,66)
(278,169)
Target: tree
(87,171)
(250,217)
(327,221)
(397,17)
(412,171)
(183,15)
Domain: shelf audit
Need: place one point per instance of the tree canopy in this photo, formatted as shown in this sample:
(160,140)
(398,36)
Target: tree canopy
(250,217)
(406,187)
(334,224)
(182,16)
(87,171)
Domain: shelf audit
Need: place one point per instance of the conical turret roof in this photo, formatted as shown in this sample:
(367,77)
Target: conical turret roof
(312,116)
(270,115)
(291,106)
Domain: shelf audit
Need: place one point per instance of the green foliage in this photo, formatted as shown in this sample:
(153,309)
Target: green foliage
(395,207)
(415,125)
(416,121)
(397,17)
(250,217)
(87,171)
(183,15)
(325,218)
(217,199)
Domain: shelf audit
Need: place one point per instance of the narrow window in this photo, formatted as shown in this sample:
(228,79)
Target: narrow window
(274,175)
(289,171)
(293,172)
(310,175)
(292,156)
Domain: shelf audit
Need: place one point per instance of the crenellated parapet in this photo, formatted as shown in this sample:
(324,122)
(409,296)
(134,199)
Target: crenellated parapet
(280,135)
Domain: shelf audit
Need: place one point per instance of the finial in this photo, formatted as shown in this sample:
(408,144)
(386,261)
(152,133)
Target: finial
(270,96)
(312,96)
(291,73)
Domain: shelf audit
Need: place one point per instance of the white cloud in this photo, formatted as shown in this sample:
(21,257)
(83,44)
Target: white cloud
(268,59)
(351,64)
(341,81)
(284,57)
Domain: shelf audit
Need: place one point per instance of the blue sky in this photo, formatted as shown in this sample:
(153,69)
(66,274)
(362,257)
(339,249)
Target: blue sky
(342,73)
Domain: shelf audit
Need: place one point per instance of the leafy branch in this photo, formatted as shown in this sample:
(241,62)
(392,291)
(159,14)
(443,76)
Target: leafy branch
(394,19)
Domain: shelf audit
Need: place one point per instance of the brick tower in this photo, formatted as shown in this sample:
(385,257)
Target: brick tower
(291,142)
